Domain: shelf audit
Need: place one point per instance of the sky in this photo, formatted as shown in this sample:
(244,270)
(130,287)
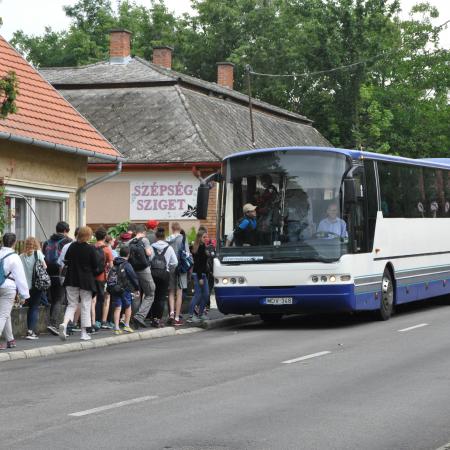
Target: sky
(32,16)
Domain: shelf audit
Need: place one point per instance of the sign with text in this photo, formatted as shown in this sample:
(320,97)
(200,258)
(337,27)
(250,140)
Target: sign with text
(164,196)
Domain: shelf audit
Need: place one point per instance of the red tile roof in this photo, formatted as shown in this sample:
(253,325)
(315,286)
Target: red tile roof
(43,114)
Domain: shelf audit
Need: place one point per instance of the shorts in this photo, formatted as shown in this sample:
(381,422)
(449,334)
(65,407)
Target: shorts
(123,301)
(177,280)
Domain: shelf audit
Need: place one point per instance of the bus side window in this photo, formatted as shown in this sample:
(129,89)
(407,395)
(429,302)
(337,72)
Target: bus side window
(372,202)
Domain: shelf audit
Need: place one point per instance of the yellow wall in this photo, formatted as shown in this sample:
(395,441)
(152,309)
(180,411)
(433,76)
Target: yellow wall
(35,167)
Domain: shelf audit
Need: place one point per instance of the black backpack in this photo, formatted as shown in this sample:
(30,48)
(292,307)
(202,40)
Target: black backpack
(158,265)
(117,280)
(99,259)
(138,258)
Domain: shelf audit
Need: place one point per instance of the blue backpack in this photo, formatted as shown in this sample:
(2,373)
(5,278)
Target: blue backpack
(185,261)
(3,276)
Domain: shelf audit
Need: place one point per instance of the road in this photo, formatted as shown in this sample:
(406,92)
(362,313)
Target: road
(363,385)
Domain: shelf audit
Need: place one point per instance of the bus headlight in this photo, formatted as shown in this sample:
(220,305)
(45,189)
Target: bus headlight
(233,280)
(315,278)
(225,280)
(345,277)
(332,278)
(241,280)
(323,278)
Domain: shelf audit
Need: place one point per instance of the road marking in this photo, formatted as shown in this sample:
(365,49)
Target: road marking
(113,405)
(304,358)
(413,328)
(444,447)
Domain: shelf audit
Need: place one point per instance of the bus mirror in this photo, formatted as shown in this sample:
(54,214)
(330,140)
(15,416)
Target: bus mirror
(349,191)
(202,201)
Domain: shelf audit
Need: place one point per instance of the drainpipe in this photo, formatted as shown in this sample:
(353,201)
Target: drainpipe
(82,190)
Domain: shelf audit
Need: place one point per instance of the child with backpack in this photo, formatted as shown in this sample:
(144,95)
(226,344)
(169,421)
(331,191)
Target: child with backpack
(178,278)
(52,249)
(121,281)
(163,262)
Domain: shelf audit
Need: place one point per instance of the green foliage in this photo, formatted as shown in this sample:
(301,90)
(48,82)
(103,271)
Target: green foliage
(397,101)
(191,235)
(118,229)
(4,221)
(8,94)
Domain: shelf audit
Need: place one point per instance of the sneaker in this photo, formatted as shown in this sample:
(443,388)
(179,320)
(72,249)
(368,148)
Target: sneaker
(31,335)
(140,321)
(156,323)
(117,332)
(11,344)
(85,337)
(76,327)
(193,319)
(171,319)
(98,325)
(62,332)
(53,330)
(3,346)
(121,323)
(178,322)
(128,329)
(107,326)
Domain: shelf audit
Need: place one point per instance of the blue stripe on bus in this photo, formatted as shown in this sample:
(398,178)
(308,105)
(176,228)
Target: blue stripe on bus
(252,299)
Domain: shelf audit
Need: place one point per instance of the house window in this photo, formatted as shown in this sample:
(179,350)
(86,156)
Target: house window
(34,212)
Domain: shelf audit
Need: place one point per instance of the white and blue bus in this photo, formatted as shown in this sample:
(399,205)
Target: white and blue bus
(336,230)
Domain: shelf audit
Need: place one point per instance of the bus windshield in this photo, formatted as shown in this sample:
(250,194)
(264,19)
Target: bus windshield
(283,205)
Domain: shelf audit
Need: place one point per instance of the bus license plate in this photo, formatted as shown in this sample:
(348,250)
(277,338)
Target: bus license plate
(279,300)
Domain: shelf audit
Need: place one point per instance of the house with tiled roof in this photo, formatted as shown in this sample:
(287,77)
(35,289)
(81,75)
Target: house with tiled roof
(44,151)
(165,123)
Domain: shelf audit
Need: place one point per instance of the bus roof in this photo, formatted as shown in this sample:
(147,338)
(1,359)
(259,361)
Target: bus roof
(442,163)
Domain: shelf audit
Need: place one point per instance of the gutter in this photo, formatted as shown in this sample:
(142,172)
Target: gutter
(137,167)
(82,190)
(59,147)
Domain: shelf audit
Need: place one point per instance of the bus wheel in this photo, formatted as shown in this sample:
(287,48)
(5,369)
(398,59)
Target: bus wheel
(271,318)
(387,296)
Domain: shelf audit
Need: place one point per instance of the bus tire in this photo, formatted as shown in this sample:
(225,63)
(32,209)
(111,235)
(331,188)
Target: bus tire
(271,319)
(387,296)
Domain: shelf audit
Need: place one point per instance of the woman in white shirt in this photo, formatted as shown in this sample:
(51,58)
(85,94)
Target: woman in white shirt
(15,280)
(29,257)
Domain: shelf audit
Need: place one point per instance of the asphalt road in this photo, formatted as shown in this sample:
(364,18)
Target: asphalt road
(367,386)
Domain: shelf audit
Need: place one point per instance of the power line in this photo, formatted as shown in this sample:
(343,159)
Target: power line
(335,69)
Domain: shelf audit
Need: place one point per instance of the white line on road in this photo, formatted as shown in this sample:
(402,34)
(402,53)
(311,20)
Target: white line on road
(413,328)
(304,358)
(113,405)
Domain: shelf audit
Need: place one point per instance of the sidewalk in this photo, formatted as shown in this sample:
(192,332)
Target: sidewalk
(48,344)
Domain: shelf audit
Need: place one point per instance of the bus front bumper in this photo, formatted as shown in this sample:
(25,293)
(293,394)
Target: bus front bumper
(285,300)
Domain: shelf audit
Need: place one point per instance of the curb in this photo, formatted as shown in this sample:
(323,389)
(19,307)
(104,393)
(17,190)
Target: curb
(123,338)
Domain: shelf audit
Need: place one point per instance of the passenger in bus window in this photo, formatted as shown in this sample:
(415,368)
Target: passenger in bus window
(298,222)
(245,232)
(268,209)
(332,224)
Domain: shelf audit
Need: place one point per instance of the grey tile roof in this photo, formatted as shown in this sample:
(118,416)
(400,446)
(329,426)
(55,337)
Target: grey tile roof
(103,73)
(148,125)
(154,115)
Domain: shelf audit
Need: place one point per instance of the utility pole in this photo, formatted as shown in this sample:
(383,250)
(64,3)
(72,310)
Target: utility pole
(250,105)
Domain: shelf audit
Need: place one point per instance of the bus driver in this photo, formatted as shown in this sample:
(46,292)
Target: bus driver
(332,223)
(245,232)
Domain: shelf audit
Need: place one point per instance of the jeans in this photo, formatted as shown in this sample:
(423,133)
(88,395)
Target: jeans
(201,294)
(57,297)
(33,308)
(147,286)
(7,297)
(162,288)
(100,299)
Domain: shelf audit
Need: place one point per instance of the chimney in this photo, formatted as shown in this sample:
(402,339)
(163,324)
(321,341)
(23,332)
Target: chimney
(225,74)
(119,46)
(162,56)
